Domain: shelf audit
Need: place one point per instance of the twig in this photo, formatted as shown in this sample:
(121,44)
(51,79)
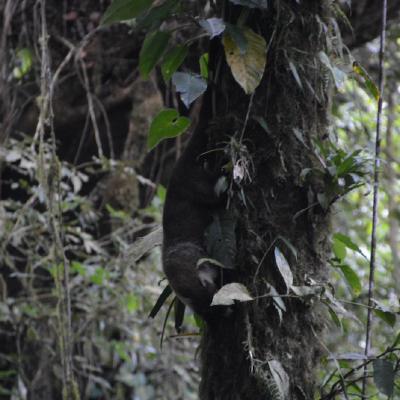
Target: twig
(375,196)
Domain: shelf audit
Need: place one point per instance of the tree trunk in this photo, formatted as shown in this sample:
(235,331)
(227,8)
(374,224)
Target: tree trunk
(242,355)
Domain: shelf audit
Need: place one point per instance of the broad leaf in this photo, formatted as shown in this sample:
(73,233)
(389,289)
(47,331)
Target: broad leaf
(284,268)
(351,278)
(339,249)
(153,18)
(369,83)
(247,67)
(384,376)
(213,26)
(229,293)
(347,242)
(172,61)
(189,86)
(122,10)
(386,316)
(152,50)
(166,124)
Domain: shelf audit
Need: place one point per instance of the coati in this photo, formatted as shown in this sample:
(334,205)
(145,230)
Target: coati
(189,206)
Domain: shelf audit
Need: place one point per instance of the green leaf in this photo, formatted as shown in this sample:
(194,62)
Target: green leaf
(78,268)
(120,349)
(189,86)
(161,192)
(172,61)
(335,317)
(131,302)
(397,340)
(203,61)
(153,18)
(121,10)
(346,241)
(386,316)
(369,83)
(152,50)
(24,60)
(339,249)
(384,376)
(160,301)
(351,278)
(166,124)
(199,322)
(100,274)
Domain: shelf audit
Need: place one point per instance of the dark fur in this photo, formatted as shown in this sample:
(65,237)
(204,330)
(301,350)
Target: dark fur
(190,203)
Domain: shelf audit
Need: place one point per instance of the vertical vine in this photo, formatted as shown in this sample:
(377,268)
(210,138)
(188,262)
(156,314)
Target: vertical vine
(375,197)
(50,183)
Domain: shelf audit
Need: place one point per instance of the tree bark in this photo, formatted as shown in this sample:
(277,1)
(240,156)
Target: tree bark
(241,354)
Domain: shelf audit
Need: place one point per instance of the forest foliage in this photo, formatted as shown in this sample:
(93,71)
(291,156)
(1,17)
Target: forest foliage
(81,272)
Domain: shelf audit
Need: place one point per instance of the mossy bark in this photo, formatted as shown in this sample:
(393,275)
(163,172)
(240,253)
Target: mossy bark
(280,209)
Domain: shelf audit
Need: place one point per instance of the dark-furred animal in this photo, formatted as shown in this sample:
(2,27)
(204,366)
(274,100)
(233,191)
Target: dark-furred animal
(189,206)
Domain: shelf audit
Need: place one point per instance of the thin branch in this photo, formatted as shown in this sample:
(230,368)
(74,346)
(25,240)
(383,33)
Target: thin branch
(375,197)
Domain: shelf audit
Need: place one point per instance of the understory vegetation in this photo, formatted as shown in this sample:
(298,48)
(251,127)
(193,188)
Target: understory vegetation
(96,98)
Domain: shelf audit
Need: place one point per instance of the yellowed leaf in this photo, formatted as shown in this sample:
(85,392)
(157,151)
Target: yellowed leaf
(247,66)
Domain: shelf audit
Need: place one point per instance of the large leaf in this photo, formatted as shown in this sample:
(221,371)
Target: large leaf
(152,50)
(229,293)
(351,278)
(347,242)
(339,249)
(153,18)
(284,268)
(386,316)
(189,86)
(247,66)
(121,10)
(384,376)
(369,83)
(172,61)
(166,124)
